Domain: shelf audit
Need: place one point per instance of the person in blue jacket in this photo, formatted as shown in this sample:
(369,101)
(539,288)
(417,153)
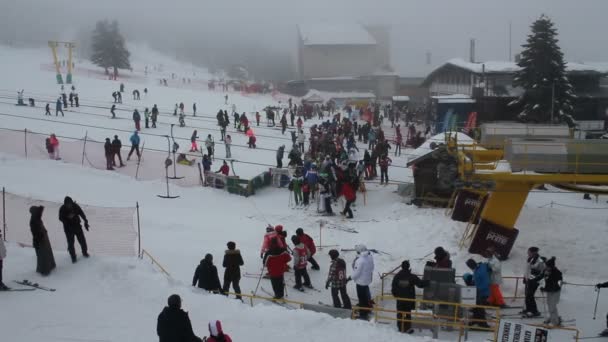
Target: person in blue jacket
(58,107)
(481,278)
(134,145)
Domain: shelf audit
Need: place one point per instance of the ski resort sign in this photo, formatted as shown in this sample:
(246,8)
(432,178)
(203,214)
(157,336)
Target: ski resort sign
(510,331)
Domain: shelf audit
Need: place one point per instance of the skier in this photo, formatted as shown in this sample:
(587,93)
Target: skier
(45,261)
(145,92)
(336,279)
(495,266)
(135,94)
(209,144)
(206,164)
(122,88)
(108,153)
(236,118)
(182,120)
(310,244)
(301,140)
(403,287)
(481,276)
(300,261)
(227,144)
(224,169)
(71,99)
(280,154)
(534,269)
(115,96)
(116,147)
(112,109)
(194,109)
(257,118)
(216,334)
(350,195)
(52,147)
(295,185)
(58,107)
(119,96)
(47,109)
(325,194)
(206,275)
(147,117)
(76,100)
(173,323)
(226,99)
(283,124)
(252,140)
(275,264)
(193,145)
(384,163)
(232,263)
(70,214)
(293,137)
(136,119)
(175,109)
(552,289)
(154,116)
(363,272)
(134,139)
(64,98)
(181,108)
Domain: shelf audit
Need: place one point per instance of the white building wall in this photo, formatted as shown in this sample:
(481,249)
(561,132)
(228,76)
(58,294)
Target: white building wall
(337,60)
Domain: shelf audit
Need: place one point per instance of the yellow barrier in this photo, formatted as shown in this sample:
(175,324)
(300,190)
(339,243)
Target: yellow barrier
(144,252)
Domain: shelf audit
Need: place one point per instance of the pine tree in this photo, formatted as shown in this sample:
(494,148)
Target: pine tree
(108,47)
(543,77)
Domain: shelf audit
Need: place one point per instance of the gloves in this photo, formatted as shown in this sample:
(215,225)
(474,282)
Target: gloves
(327,285)
(86,225)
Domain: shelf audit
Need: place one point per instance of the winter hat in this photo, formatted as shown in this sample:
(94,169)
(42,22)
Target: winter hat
(278,228)
(299,231)
(68,200)
(360,248)
(174,301)
(550,262)
(405,265)
(208,257)
(472,264)
(231,245)
(333,253)
(295,240)
(215,329)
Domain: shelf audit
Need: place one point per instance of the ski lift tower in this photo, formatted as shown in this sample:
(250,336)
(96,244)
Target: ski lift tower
(70,46)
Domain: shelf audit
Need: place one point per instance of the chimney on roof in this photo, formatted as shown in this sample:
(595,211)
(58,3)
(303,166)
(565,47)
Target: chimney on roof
(472,51)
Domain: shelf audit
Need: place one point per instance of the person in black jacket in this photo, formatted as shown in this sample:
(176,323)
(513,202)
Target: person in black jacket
(403,287)
(173,323)
(45,261)
(598,287)
(116,146)
(552,290)
(206,275)
(109,154)
(232,262)
(70,214)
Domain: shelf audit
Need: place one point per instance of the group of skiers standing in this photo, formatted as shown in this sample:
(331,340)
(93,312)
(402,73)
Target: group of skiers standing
(112,150)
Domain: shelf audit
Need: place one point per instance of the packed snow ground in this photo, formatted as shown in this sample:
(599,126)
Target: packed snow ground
(118,299)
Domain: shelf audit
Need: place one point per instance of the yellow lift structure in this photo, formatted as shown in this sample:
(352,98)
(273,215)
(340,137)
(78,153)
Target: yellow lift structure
(70,46)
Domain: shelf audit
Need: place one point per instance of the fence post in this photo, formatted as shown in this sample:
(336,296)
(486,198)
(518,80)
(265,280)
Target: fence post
(4,213)
(84,146)
(25,141)
(138,232)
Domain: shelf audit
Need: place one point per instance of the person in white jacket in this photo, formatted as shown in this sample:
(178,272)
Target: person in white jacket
(496,298)
(363,271)
(2,256)
(301,139)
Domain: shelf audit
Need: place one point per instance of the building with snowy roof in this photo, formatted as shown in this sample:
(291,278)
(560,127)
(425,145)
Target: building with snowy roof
(459,87)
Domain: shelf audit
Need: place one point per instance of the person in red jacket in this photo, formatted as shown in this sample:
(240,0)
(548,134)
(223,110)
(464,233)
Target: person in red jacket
(300,261)
(310,244)
(348,191)
(275,264)
(216,333)
(225,169)
(271,233)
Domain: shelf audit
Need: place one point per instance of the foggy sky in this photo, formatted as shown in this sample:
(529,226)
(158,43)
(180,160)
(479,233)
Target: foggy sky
(263,32)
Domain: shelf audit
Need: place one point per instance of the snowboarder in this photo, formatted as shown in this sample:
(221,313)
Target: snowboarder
(336,279)
(112,110)
(224,169)
(481,277)
(47,109)
(154,116)
(108,153)
(3,287)
(194,109)
(52,147)
(134,139)
(216,334)
(193,145)
(300,261)
(280,154)
(496,298)
(384,163)
(116,147)
(147,117)
(206,275)
(136,119)
(310,244)
(534,273)
(227,144)
(363,272)
(552,289)
(45,261)
(232,263)
(70,214)
(403,286)
(275,264)
(58,107)
(173,323)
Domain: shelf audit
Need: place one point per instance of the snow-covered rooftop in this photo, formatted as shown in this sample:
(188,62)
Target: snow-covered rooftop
(454,98)
(425,148)
(314,94)
(335,34)
(511,67)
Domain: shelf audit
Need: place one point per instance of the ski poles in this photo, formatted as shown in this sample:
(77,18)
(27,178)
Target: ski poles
(260,278)
(597,299)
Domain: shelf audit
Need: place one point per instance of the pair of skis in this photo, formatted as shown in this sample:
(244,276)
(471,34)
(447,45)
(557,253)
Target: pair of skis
(33,286)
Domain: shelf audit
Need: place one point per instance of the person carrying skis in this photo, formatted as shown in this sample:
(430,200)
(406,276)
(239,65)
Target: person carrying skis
(481,277)
(363,271)
(310,244)
(70,214)
(116,147)
(404,287)
(224,169)
(227,144)
(206,275)
(45,261)
(336,279)
(173,323)
(384,163)
(193,145)
(495,298)
(154,116)
(552,289)
(275,264)
(47,109)
(108,153)
(216,334)
(534,272)
(232,263)
(136,119)
(280,155)
(134,146)
(58,107)
(300,261)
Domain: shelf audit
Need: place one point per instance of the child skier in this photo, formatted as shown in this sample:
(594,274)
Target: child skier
(300,261)
(193,145)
